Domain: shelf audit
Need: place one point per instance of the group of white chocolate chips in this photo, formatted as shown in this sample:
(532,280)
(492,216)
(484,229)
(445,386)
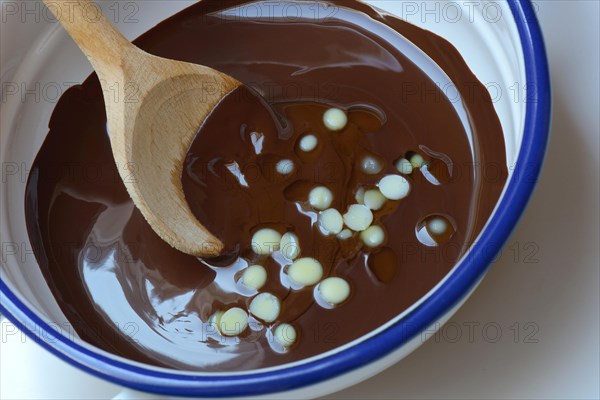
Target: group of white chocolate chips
(307,271)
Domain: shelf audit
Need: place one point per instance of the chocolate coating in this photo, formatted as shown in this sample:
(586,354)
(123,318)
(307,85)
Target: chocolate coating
(127,292)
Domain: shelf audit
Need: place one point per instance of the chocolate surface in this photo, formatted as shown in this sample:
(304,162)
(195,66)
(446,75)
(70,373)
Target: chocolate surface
(127,292)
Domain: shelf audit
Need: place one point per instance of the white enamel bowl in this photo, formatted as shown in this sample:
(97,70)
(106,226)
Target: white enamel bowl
(500,41)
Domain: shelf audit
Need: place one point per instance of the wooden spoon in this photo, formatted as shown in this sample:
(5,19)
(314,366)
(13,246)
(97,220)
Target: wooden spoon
(154,108)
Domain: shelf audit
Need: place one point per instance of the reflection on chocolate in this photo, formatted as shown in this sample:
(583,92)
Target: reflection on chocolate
(383,264)
(127,292)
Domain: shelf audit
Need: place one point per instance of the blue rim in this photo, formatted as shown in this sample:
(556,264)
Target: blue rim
(466,275)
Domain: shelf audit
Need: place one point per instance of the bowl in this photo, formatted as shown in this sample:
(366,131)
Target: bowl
(502,44)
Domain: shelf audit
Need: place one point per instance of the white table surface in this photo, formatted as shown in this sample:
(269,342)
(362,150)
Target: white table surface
(555,299)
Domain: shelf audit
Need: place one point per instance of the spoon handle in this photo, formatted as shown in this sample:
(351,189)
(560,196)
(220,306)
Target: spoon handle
(95,35)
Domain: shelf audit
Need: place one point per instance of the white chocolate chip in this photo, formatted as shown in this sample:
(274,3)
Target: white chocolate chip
(404,166)
(308,143)
(437,226)
(285,335)
(374,199)
(360,196)
(359,217)
(331,221)
(373,237)
(335,119)
(305,271)
(320,198)
(266,241)
(265,307)
(394,187)
(417,161)
(290,246)
(370,165)
(233,322)
(285,167)
(345,234)
(254,277)
(334,290)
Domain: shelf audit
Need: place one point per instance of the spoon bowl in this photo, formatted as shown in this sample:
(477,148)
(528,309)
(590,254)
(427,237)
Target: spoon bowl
(152,118)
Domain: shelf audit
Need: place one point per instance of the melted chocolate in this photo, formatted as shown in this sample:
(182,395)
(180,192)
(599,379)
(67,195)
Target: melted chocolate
(127,292)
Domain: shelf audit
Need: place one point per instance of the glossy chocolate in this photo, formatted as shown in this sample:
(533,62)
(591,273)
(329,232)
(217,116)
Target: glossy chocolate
(127,292)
